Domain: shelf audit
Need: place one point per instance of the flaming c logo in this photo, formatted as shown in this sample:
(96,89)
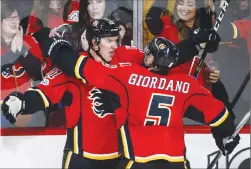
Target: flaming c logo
(95,95)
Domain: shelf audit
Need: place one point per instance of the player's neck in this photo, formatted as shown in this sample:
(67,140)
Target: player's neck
(95,56)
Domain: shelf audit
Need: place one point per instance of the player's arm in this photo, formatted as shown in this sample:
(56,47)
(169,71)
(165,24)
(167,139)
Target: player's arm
(215,114)
(49,92)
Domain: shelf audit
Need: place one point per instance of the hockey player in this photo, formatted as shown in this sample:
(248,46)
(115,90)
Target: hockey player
(239,29)
(86,106)
(163,101)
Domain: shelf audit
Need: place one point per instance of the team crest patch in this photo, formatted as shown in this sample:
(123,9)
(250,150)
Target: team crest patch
(162,46)
(109,66)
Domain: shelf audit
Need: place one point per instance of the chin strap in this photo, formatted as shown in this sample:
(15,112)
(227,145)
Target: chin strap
(99,55)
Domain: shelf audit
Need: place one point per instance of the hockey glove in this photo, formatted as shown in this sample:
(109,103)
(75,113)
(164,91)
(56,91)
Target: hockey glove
(51,45)
(227,144)
(12,106)
(201,36)
(47,44)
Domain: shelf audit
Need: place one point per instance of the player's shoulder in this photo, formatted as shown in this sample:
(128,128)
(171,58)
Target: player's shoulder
(83,54)
(184,77)
(118,65)
(126,48)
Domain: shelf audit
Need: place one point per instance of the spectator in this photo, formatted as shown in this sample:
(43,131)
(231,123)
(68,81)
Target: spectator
(243,10)
(53,13)
(187,15)
(88,11)
(17,70)
(185,18)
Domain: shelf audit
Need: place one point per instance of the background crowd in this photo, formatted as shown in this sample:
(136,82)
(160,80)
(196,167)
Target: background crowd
(222,73)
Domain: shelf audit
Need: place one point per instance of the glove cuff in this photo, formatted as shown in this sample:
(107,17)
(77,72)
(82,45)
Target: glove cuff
(57,44)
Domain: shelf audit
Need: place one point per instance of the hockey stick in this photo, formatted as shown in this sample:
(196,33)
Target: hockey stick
(216,27)
(241,89)
(237,130)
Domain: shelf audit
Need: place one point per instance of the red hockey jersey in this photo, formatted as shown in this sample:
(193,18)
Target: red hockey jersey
(241,29)
(152,107)
(91,130)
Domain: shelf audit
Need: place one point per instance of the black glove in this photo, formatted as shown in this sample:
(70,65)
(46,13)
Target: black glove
(227,144)
(12,106)
(48,44)
(51,45)
(200,36)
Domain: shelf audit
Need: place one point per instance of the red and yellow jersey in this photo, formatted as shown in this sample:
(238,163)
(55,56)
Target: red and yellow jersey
(90,120)
(152,107)
(241,29)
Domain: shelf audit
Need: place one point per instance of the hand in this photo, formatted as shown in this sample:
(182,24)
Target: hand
(12,106)
(201,36)
(214,76)
(54,33)
(84,42)
(122,32)
(227,145)
(17,42)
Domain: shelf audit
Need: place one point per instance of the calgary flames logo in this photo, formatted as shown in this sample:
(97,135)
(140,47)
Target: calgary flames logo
(8,72)
(98,105)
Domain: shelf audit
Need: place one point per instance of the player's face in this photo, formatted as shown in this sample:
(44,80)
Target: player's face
(107,47)
(96,8)
(186,10)
(10,25)
(148,60)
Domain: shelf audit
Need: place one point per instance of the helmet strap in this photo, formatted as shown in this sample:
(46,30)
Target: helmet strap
(98,54)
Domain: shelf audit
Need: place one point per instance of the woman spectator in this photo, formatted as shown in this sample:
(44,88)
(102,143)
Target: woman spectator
(18,62)
(188,15)
(185,18)
(88,11)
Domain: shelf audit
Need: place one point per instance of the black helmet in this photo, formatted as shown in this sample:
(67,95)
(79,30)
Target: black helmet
(101,28)
(165,53)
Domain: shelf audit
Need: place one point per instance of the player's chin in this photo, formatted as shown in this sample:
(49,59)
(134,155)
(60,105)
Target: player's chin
(109,58)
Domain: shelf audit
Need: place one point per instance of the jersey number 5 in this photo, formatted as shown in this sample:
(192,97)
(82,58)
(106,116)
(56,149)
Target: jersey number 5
(159,111)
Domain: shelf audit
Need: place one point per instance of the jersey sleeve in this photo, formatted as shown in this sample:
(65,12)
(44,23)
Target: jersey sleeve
(47,93)
(241,29)
(204,106)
